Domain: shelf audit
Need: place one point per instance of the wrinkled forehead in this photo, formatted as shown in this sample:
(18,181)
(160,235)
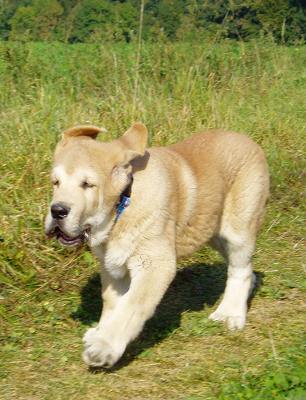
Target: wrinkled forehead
(81,151)
(78,174)
(75,161)
(85,158)
(71,154)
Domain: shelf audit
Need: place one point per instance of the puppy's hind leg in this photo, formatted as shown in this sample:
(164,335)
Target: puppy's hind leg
(240,282)
(242,216)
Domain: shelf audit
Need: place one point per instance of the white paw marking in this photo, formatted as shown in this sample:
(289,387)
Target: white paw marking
(90,336)
(98,351)
(232,310)
(101,354)
(233,321)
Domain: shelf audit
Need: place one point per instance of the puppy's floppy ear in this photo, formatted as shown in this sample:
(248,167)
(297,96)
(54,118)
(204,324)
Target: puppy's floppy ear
(135,139)
(83,130)
(134,143)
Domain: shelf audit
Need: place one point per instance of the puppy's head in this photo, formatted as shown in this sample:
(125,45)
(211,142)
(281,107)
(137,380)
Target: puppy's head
(88,177)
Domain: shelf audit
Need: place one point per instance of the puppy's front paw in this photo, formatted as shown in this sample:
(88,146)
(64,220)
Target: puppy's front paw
(90,336)
(101,354)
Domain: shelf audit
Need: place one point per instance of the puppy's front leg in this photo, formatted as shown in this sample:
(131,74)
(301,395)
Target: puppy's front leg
(112,290)
(150,275)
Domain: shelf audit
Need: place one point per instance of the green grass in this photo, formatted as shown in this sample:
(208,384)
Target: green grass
(286,380)
(51,295)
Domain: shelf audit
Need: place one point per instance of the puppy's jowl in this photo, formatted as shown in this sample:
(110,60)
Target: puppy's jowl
(140,209)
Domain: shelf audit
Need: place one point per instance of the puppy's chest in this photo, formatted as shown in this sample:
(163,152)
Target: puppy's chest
(115,253)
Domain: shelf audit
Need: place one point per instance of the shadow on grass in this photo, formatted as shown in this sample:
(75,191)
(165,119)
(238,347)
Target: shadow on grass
(193,288)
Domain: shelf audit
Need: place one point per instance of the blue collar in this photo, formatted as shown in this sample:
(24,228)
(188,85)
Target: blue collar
(125,201)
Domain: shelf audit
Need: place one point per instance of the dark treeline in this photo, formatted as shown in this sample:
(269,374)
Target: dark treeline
(110,20)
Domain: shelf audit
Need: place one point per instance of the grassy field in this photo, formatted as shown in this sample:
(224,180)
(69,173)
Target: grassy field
(50,295)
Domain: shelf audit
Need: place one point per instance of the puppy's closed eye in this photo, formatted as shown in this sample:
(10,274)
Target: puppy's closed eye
(87,185)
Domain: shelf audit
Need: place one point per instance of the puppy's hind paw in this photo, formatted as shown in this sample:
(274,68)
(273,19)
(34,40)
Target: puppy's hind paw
(233,322)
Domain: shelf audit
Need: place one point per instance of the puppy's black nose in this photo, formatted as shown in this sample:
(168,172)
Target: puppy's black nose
(59,210)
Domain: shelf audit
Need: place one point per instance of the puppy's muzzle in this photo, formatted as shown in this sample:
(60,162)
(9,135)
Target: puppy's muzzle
(59,210)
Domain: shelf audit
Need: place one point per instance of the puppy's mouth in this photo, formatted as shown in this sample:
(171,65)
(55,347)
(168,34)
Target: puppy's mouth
(68,240)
